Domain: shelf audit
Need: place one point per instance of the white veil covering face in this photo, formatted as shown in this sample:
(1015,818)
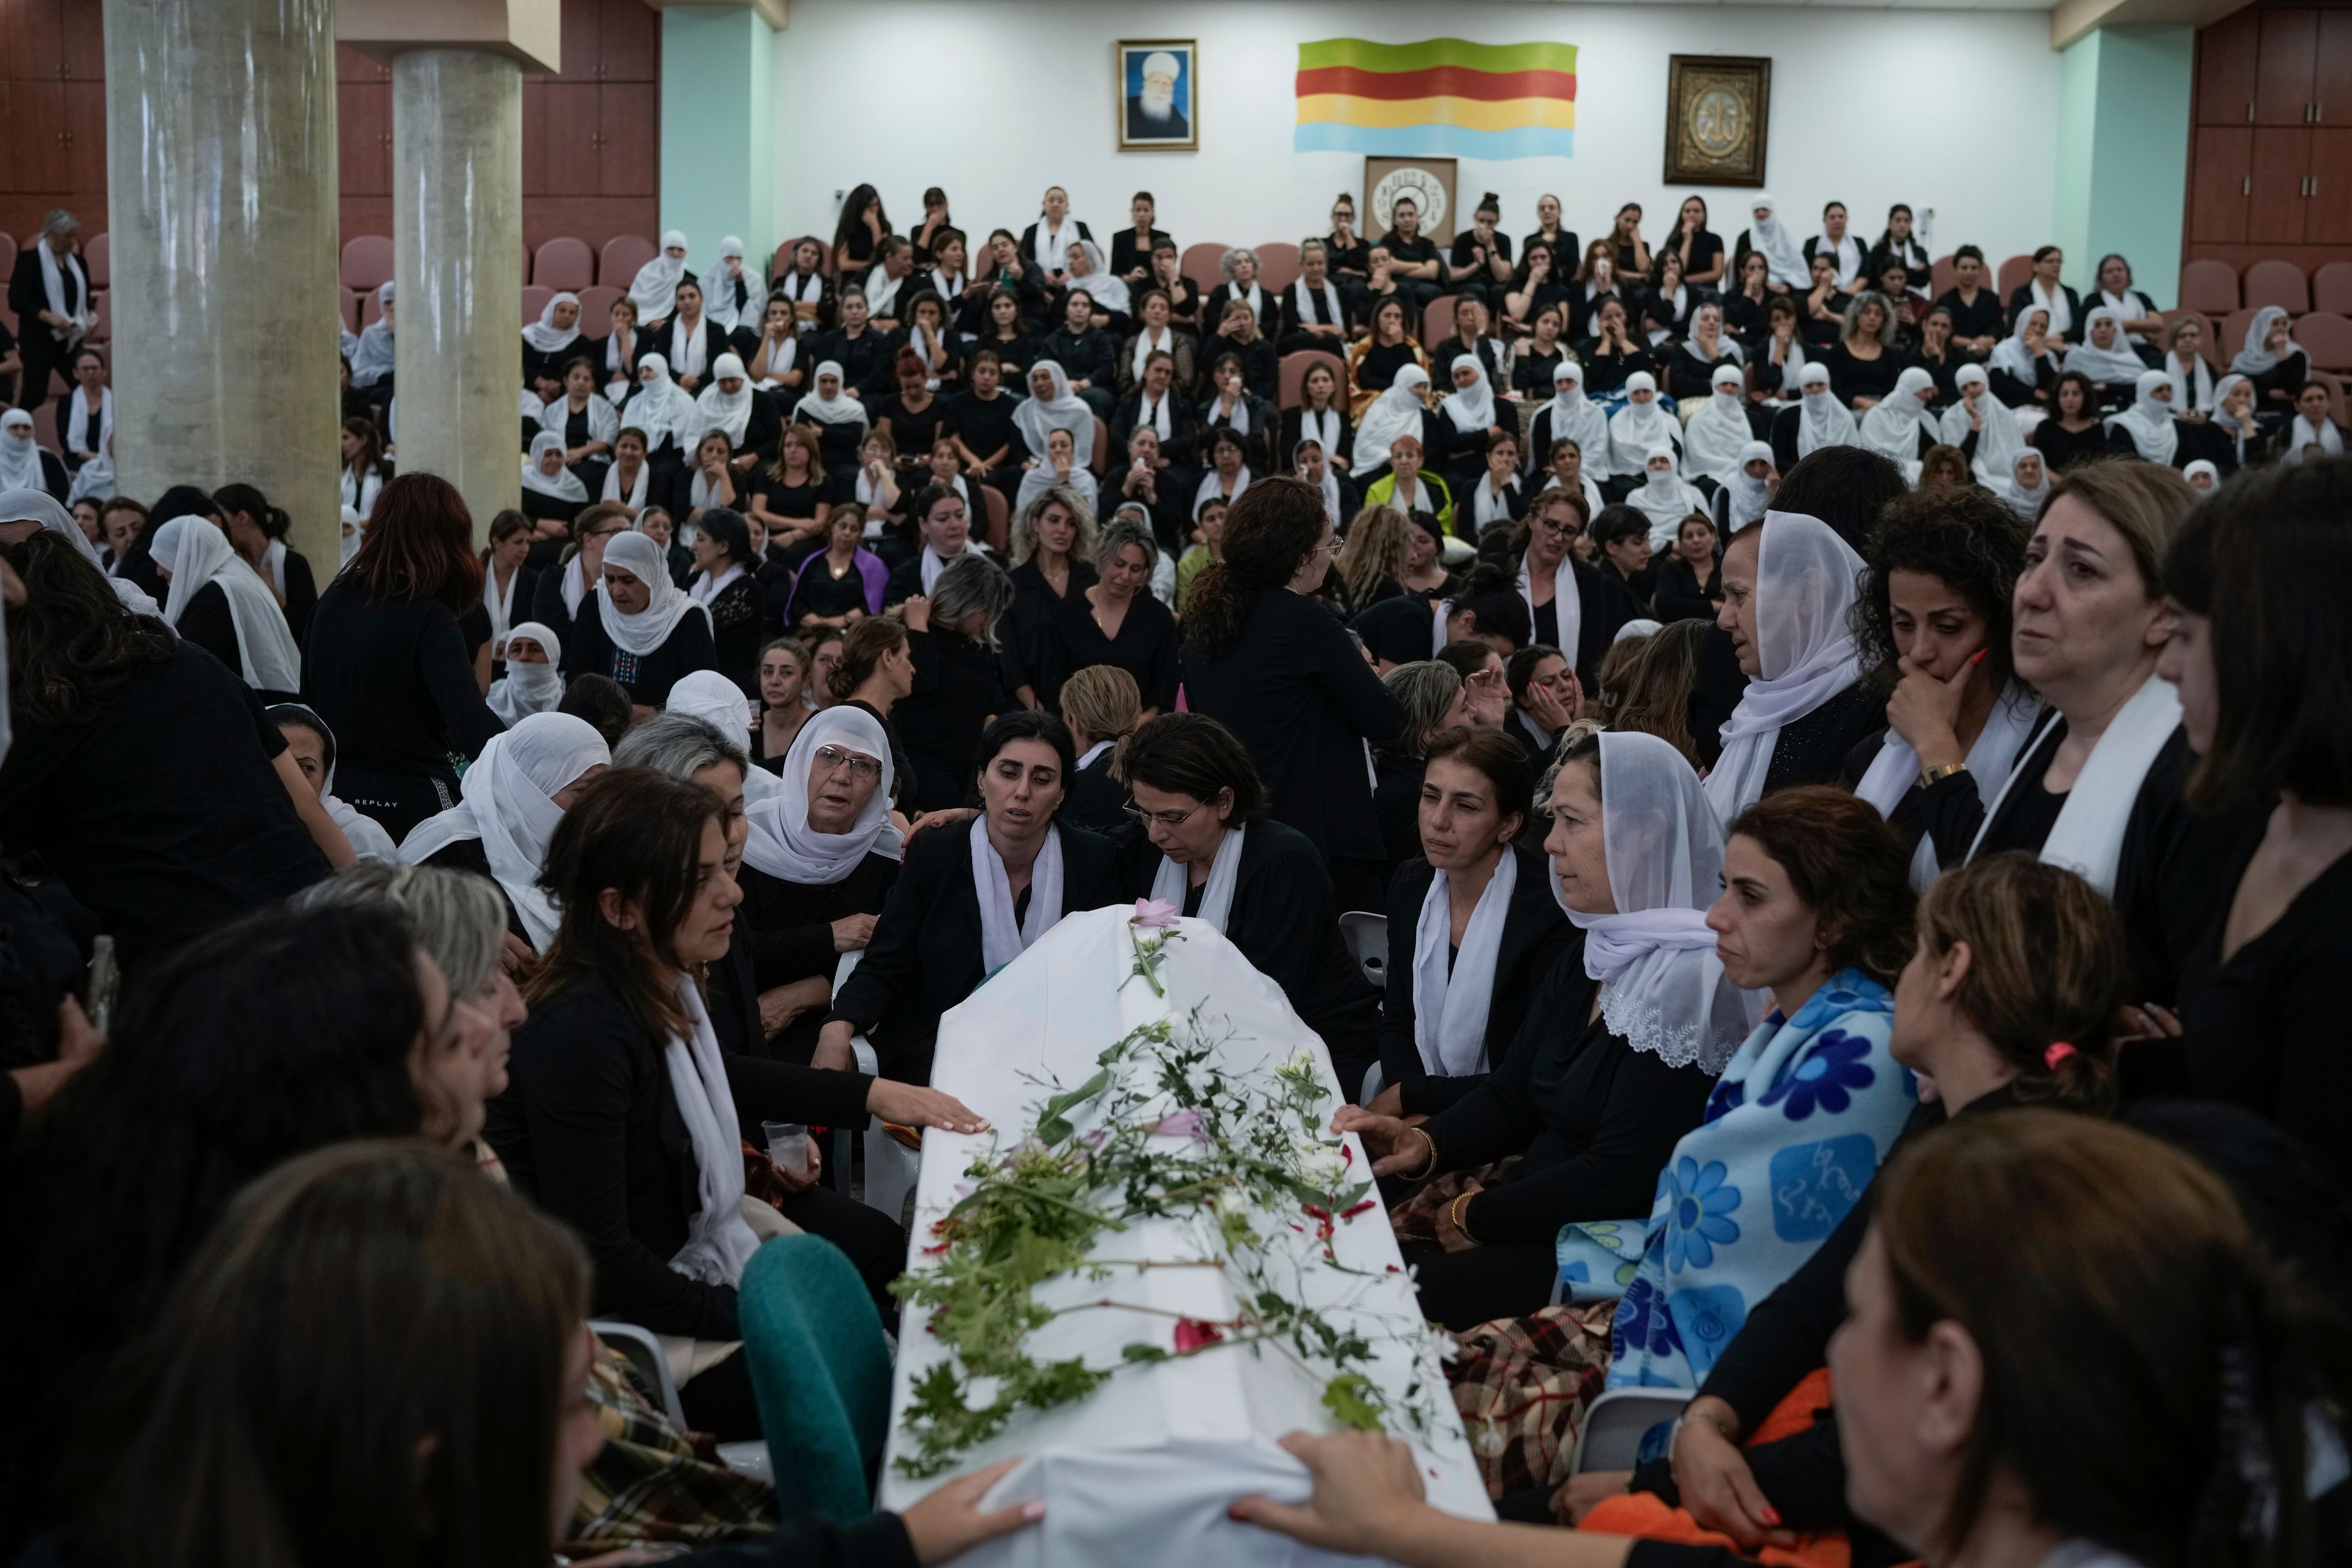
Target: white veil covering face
(653,291)
(2148,421)
(528,689)
(1892,427)
(718,292)
(1784,258)
(1997,442)
(196,552)
(784,844)
(510,806)
(1715,434)
(1806,579)
(1662,989)
(1574,418)
(1823,421)
(1395,413)
(1751,498)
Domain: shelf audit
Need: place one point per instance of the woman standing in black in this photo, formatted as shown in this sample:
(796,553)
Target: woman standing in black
(1276,669)
(388,666)
(959,678)
(1116,620)
(1052,554)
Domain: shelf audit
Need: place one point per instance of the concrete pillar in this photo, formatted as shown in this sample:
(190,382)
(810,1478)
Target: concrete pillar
(221,186)
(2123,153)
(457,243)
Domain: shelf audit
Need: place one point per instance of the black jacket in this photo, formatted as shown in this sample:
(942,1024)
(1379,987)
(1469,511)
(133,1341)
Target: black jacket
(926,955)
(1534,930)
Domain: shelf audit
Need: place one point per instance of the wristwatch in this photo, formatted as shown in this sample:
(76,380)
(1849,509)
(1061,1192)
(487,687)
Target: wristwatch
(1940,772)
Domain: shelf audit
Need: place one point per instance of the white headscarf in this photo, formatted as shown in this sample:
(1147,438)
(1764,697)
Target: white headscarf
(1823,420)
(2012,355)
(2300,434)
(564,485)
(1451,1001)
(2024,500)
(196,552)
(715,410)
(1805,590)
(1172,882)
(1395,413)
(2227,422)
(1664,497)
(2201,466)
(2192,389)
(840,408)
(1998,443)
(720,1243)
(1637,428)
(1784,258)
(1748,498)
(2255,358)
(1895,769)
(660,407)
(1712,440)
(716,700)
(654,290)
(528,689)
(2052,298)
(20,456)
(2149,422)
(1574,418)
(375,359)
(1103,286)
(1063,410)
(784,844)
(366,836)
(1002,938)
(545,336)
(718,292)
(40,506)
(641,633)
(1662,989)
(510,806)
(1471,408)
(2109,364)
(1893,426)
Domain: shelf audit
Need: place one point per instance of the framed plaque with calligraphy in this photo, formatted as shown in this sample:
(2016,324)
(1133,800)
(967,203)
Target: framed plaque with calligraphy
(1717,109)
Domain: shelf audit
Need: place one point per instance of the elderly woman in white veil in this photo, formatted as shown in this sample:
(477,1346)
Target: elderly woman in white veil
(1090,272)
(1051,406)
(1665,496)
(1614,1064)
(515,794)
(1979,413)
(1718,428)
(1569,416)
(1402,410)
(1899,427)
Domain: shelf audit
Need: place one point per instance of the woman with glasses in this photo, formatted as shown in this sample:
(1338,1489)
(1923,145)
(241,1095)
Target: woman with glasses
(971,899)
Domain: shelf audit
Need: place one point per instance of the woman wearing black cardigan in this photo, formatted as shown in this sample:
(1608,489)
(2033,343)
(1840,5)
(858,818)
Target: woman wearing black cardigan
(1276,669)
(959,678)
(1465,934)
(620,1117)
(938,938)
(1207,848)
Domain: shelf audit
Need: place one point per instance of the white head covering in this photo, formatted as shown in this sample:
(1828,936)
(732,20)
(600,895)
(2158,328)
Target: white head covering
(1664,497)
(716,700)
(1823,420)
(1998,442)
(840,408)
(1662,989)
(718,292)
(41,507)
(373,361)
(2026,500)
(196,552)
(1472,408)
(528,689)
(1395,413)
(565,485)
(1574,418)
(654,290)
(2255,358)
(2226,422)
(1749,498)
(547,338)
(715,410)
(784,844)
(1784,258)
(1893,426)
(365,835)
(1636,428)
(2117,363)
(2011,354)
(2148,421)
(1712,440)
(2301,434)
(640,634)
(1063,410)
(2052,297)
(1805,590)
(20,455)
(510,806)
(660,407)
(2201,466)
(1103,286)
(2192,389)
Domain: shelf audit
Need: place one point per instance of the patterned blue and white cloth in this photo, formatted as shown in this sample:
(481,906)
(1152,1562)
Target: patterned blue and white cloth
(1793,1133)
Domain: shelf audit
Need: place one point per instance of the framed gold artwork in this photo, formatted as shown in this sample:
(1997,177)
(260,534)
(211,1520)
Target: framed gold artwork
(1719,108)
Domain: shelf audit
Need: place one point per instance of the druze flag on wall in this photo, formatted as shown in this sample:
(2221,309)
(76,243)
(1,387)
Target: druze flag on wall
(1438,98)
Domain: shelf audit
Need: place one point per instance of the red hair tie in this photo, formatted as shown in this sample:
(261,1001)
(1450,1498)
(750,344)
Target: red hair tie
(2057,1053)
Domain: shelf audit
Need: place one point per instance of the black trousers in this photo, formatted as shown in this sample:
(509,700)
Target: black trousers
(1501,1279)
(397,800)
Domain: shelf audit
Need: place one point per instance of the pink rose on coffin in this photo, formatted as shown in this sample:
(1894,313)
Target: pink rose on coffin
(1156,914)
(1183,1124)
(1191,1334)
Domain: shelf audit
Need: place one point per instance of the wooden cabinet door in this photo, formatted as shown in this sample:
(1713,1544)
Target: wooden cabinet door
(2226,55)
(2282,160)
(630,126)
(2283,82)
(2331,85)
(2219,173)
(628,41)
(572,130)
(2328,220)
(32,33)
(85,144)
(580,34)
(83,27)
(363,137)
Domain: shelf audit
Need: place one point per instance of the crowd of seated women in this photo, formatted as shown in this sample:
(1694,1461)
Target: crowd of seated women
(1733,833)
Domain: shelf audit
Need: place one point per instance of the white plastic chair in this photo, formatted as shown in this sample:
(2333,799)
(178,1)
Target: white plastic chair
(890,1166)
(1367,936)
(1614,1424)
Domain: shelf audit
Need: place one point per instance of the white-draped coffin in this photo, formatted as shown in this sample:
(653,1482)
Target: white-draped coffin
(1140,1471)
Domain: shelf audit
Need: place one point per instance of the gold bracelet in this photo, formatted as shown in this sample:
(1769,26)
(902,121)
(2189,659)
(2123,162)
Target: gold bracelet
(1939,772)
(1453,1212)
(1429,1166)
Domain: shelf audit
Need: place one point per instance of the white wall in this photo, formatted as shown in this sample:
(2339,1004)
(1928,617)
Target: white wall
(994,100)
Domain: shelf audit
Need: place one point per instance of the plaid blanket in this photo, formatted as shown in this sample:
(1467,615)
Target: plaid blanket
(650,1482)
(1522,1385)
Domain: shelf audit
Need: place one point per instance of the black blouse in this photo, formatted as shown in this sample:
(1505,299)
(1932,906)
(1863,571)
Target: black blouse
(1027,629)
(646,677)
(1145,647)
(959,687)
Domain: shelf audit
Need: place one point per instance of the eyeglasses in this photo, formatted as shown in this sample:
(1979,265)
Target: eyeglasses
(833,759)
(1164,818)
(604,532)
